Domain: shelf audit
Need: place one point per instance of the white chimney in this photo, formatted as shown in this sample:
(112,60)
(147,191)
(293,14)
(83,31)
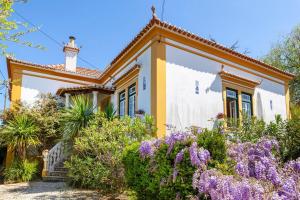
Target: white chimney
(71,52)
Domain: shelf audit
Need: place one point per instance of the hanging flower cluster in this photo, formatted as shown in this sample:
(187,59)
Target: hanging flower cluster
(258,174)
(218,186)
(256,160)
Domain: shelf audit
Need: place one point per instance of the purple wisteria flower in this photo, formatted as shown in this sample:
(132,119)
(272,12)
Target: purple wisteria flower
(198,157)
(175,173)
(219,186)
(179,157)
(288,189)
(195,161)
(145,149)
(173,138)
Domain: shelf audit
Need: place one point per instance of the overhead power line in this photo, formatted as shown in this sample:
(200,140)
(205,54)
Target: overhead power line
(163,10)
(51,38)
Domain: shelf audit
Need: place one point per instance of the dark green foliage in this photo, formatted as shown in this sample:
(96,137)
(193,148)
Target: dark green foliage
(21,171)
(214,142)
(137,174)
(292,140)
(287,133)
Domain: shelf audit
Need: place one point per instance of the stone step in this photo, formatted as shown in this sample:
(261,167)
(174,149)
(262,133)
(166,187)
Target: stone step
(60,169)
(60,164)
(58,173)
(54,179)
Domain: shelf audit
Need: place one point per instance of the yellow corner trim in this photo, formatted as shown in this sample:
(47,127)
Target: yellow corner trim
(158,86)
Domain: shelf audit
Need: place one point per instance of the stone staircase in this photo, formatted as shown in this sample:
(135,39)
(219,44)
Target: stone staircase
(54,159)
(59,174)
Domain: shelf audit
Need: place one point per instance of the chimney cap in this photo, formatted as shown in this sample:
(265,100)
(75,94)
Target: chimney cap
(71,37)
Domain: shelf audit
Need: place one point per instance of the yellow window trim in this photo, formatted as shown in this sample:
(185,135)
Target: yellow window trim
(240,89)
(124,87)
(238,80)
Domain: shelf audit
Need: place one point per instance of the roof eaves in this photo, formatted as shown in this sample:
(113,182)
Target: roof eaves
(181,31)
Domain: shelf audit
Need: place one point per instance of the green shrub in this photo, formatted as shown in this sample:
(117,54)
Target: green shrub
(96,161)
(86,173)
(214,142)
(286,132)
(21,171)
(137,174)
(249,130)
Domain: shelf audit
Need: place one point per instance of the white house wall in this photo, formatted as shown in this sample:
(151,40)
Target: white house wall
(33,86)
(144,95)
(185,108)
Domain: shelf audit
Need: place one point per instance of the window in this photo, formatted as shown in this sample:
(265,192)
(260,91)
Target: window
(122,99)
(144,83)
(197,87)
(271,104)
(131,100)
(247,104)
(232,104)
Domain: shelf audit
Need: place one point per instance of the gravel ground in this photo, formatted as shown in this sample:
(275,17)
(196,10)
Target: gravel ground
(49,190)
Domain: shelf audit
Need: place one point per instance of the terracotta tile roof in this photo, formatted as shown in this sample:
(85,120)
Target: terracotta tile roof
(85,89)
(164,25)
(82,71)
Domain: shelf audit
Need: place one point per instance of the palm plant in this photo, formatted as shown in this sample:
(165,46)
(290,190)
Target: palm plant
(20,133)
(76,117)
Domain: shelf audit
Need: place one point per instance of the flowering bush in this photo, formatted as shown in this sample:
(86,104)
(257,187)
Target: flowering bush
(258,175)
(164,169)
(183,167)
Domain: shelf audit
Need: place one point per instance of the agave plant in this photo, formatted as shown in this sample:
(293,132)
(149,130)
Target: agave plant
(110,111)
(20,133)
(76,117)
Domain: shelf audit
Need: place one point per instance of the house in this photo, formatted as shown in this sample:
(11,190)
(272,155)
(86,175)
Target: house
(178,77)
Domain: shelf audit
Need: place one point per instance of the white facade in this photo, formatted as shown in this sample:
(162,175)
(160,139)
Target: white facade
(34,84)
(185,108)
(143,93)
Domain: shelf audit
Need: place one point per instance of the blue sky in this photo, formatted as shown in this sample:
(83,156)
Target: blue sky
(103,28)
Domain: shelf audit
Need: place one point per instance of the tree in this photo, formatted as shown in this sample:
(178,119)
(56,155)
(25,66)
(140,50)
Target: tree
(20,133)
(9,29)
(285,55)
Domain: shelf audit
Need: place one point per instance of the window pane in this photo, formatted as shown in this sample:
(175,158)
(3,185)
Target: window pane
(247,108)
(131,105)
(122,108)
(131,90)
(122,104)
(246,97)
(232,109)
(131,100)
(231,94)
